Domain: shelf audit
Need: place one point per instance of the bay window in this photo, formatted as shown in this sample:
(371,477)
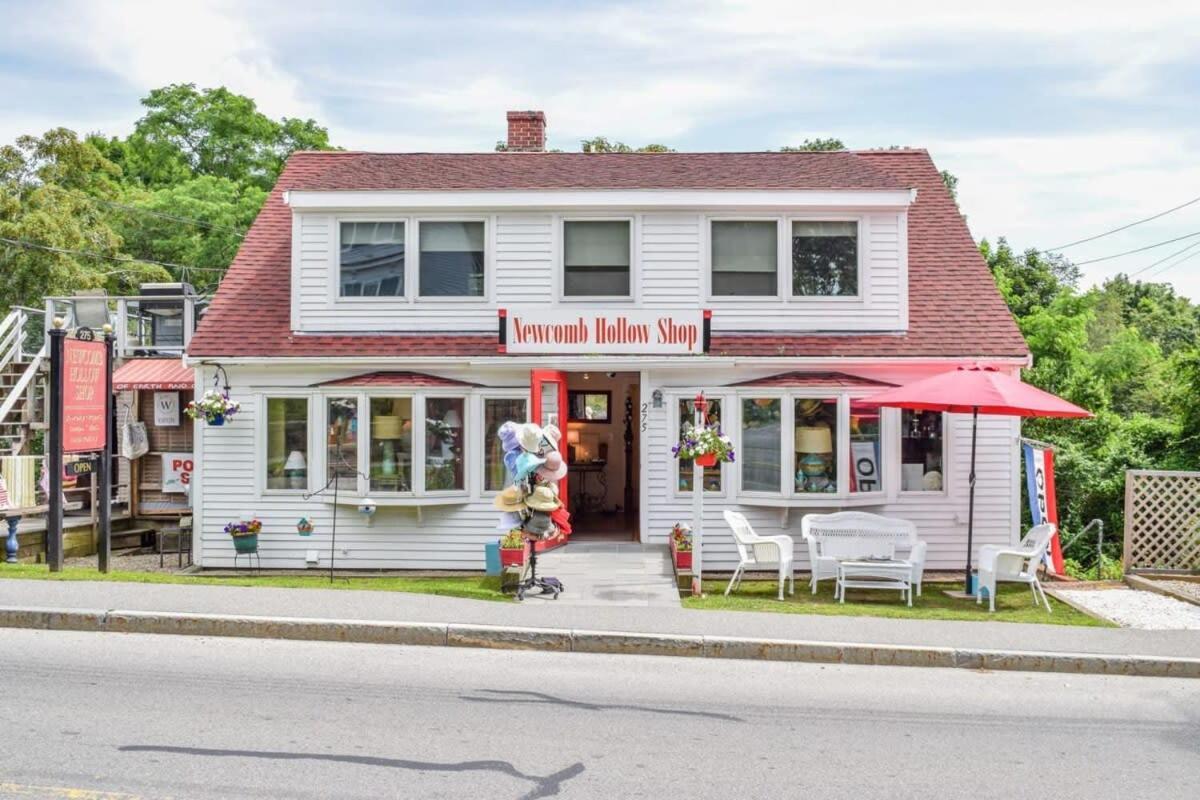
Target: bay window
(761,447)
(922,451)
(444,468)
(824,259)
(371,259)
(451,262)
(497,411)
(745,258)
(712,475)
(391,453)
(596,258)
(341,442)
(287,443)
(866,457)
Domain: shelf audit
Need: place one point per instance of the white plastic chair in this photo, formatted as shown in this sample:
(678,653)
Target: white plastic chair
(759,552)
(999,564)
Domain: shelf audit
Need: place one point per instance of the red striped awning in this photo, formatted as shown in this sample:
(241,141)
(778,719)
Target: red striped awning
(153,373)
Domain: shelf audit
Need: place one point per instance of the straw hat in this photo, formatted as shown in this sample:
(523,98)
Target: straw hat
(542,498)
(530,437)
(511,499)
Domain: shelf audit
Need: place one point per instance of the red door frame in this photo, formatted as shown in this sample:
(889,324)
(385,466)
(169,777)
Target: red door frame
(537,379)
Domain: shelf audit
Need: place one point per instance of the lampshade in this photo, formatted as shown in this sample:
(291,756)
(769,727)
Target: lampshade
(452,418)
(295,460)
(814,440)
(385,427)
(573,437)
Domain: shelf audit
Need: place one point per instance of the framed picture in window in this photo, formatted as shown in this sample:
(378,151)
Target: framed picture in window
(585,406)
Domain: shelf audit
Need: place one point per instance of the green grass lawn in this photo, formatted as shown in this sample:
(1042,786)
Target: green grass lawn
(1013,603)
(473,587)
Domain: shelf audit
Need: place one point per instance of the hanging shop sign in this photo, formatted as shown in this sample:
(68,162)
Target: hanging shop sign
(631,332)
(176,472)
(166,409)
(83,397)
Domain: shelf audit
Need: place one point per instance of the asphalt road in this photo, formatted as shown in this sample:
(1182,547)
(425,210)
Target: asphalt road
(111,717)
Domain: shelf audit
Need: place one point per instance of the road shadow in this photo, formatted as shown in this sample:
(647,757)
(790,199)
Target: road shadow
(543,785)
(541,698)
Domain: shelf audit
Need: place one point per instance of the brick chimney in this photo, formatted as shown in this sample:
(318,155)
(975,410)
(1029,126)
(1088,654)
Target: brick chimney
(526,131)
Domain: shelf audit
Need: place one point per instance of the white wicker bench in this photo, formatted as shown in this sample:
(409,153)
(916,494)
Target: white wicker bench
(851,535)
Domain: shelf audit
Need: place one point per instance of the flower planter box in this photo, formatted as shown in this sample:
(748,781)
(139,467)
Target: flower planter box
(245,544)
(513,557)
(681,558)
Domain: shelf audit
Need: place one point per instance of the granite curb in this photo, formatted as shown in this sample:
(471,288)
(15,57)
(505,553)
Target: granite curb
(586,641)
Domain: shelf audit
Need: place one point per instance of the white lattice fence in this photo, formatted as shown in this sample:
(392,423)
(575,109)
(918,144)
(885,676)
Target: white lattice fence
(1162,520)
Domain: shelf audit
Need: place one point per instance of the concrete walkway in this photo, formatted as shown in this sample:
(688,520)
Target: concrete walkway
(611,574)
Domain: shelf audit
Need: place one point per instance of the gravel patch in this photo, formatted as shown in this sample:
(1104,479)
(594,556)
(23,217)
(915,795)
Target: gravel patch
(1186,588)
(131,562)
(1133,609)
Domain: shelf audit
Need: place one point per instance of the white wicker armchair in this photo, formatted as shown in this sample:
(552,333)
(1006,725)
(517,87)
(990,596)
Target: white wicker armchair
(857,534)
(1014,565)
(757,552)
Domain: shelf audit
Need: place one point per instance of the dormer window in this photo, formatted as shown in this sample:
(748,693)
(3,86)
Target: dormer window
(371,259)
(452,259)
(596,258)
(824,258)
(745,258)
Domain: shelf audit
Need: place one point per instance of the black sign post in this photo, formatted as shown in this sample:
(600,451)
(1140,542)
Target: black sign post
(104,472)
(54,451)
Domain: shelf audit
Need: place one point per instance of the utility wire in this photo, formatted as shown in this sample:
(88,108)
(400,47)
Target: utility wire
(1164,259)
(104,256)
(1188,257)
(1123,227)
(161,215)
(1138,249)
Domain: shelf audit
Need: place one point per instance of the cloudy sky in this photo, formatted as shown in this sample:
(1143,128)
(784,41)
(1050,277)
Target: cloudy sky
(1062,120)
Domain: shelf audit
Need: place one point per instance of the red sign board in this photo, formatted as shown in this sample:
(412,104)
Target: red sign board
(84,428)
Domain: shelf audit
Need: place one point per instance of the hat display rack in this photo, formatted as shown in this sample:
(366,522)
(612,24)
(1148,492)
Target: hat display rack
(530,504)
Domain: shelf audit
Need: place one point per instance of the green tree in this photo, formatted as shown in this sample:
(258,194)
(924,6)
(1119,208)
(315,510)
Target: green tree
(599,144)
(814,146)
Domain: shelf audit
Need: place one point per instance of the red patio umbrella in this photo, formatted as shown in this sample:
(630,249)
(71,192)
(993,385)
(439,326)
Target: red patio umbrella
(976,390)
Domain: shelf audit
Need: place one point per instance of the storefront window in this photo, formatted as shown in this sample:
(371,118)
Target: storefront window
(287,443)
(815,436)
(922,451)
(391,444)
(341,442)
(761,456)
(496,412)
(866,462)
(712,475)
(443,444)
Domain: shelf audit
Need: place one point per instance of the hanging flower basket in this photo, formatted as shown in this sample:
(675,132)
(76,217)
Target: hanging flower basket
(213,407)
(245,535)
(706,445)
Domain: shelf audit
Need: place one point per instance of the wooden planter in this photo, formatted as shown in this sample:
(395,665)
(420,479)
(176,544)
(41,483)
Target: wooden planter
(682,558)
(512,557)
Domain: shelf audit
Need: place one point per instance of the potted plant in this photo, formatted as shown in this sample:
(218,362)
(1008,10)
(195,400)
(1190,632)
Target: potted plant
(705,445)
(245,534)
(214,407)
(512,549)
(681,546)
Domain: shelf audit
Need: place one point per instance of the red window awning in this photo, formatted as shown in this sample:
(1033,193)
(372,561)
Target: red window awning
(153,373)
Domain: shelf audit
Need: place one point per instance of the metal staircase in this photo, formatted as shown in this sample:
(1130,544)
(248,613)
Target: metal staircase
(22,379)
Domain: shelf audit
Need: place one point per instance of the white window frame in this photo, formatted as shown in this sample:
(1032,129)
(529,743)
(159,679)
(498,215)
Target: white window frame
(560,224)
(707,262)
(262,437)
(479,444)
(860,224)
(488,251)
(468,428)
(946,456)
(335,236)
(676,423)
(323,399)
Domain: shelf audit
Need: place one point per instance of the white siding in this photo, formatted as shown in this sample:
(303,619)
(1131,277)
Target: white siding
(670,271)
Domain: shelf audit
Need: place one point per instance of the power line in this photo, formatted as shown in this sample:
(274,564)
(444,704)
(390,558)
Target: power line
(1138,249)
(161,215)
(103,256)
(1123,227)
(1164,259)
(1188,257)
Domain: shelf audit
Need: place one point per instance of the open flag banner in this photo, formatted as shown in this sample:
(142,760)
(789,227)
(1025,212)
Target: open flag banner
(1039,476)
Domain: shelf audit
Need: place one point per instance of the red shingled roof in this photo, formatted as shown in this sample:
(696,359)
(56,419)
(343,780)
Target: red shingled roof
(500,171)
(955,309)
(396,379)
(839,380)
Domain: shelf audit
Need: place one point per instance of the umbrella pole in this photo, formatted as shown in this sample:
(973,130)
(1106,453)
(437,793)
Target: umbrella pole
(971,500)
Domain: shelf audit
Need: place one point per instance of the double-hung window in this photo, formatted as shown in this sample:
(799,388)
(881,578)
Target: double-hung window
(922,451)
(745,258)
(711,475)
(451,261)
(824,258)
(286,444)
(371,259)
(596,258)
